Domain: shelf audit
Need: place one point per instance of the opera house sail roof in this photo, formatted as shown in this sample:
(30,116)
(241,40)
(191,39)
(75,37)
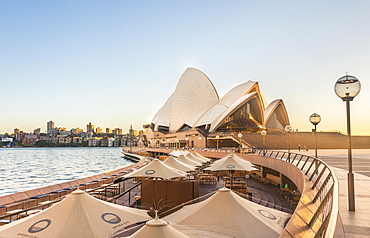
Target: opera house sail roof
(196,104)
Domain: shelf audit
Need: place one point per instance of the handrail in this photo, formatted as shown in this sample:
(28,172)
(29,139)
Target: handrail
(324,182)
(129,192)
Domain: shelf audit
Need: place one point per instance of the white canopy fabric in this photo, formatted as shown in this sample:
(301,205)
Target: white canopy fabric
(200,156)
(190,156)
(186,160)
(176,153)
(229,215)
(77,216)
(156,169)
(171,161)
(158,228)
(231,162)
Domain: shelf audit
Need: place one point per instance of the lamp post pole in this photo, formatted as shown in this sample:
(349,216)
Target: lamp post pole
(240,142)
(131,139)
(217,137)
(315,120)
(187,142)
(347,88)
(288,129)
(263,134)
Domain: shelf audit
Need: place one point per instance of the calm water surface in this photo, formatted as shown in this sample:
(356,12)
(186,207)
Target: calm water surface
(22,169)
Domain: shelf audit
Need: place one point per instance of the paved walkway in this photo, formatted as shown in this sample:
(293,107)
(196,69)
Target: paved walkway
(357,223)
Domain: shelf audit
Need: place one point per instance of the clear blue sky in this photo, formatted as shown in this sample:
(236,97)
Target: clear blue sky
(114,63)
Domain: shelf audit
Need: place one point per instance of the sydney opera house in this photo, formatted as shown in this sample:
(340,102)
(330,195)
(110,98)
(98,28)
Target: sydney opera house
(194,113)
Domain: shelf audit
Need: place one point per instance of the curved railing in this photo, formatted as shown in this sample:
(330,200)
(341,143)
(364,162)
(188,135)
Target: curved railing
(325,185)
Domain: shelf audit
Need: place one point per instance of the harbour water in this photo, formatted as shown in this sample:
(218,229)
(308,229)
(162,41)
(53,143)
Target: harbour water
(22,169)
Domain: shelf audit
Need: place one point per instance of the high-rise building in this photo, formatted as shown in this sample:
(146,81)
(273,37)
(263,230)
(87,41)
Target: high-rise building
(108,131)
(90,128)
(50,127)
(117,131)
(99,130)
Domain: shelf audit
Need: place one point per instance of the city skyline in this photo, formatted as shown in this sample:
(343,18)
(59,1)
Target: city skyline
(115,64)
(51,126)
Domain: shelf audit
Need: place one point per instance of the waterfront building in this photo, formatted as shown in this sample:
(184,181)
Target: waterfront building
(194,111)
(99,130)
(90,128)
(77,139)
(37,131)
(117,131)
(64,140)
(64,133)
(106,142)
(50,127)
(76,131)
(108,131)
(196,104)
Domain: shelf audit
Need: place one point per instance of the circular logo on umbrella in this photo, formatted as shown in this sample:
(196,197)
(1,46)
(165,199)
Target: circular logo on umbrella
(110,218)
(267,214)
(230,166)
(150,172)
(39,226)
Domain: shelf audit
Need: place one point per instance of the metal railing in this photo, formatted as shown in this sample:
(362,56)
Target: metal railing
(131,192)
(324,182)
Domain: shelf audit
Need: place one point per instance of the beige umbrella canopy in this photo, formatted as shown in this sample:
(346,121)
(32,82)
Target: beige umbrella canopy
(78,216)
(196,154)
(171,161)
(186,160)
(158,228)
(228,215)
(156,169)
(195,158)
(176,153)
(231,162)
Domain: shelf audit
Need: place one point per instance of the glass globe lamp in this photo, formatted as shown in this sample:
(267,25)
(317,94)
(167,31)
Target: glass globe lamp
(347,87)
(315,119)
(288,128)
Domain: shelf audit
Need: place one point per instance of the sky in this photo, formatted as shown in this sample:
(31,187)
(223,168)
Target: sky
(115,63)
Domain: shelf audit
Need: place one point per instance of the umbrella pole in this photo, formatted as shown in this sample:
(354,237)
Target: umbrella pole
(231,180)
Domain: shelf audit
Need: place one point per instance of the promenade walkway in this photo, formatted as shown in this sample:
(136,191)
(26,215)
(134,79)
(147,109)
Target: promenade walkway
(357,223)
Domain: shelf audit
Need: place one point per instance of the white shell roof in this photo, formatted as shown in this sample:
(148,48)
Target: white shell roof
(271,108)
(227,101)
(232,108)
(163,116)
(194,94)
(195,103)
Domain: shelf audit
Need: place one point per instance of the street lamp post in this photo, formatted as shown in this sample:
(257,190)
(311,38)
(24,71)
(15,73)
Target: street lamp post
(187,142)
(217,137)
(263,134)
(288,129)
(200,138)
(347,88)
(315,120)
(240,142)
